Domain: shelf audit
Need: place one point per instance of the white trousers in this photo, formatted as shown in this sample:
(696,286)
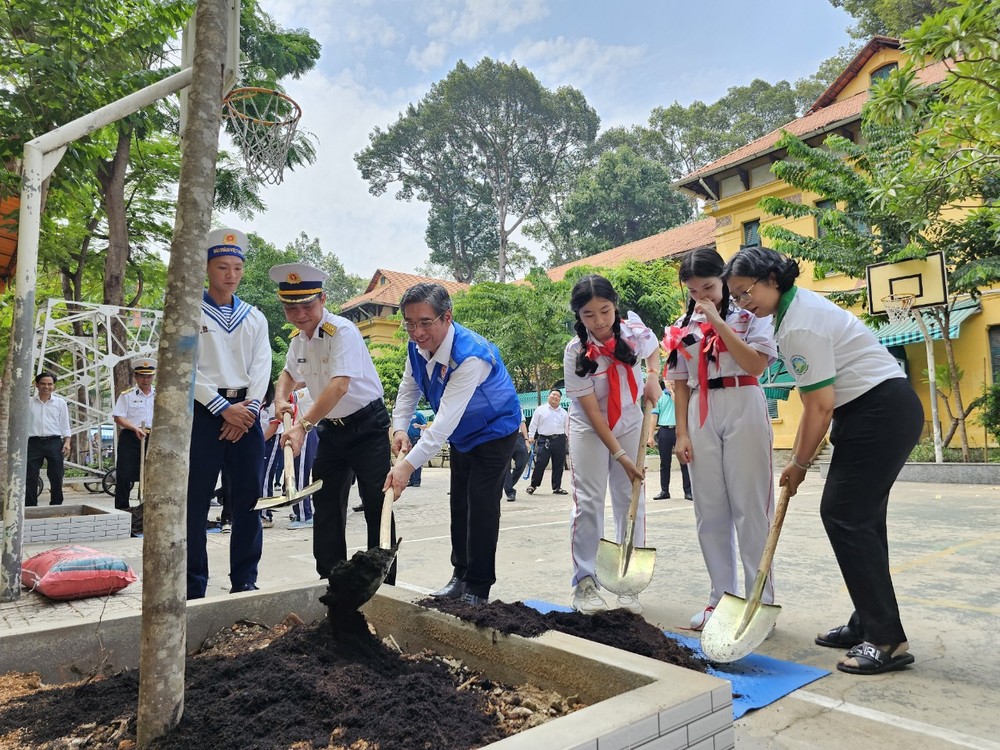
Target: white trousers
(733,485)
(593,474)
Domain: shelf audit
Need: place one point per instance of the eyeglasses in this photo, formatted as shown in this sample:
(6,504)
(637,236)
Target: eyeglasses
(420,325)
(743,297)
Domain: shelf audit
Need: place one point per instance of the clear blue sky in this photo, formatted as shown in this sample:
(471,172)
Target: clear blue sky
(627,57)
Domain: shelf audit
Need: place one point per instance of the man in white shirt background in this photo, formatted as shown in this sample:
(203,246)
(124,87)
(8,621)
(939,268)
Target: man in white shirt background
(547,432)
(48,439)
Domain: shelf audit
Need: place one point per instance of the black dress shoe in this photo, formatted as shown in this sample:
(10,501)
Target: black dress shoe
(243,587)
(454,589)
(559,491)
(661,496)
(530,490)
(358,508)
(512,497)
(688,496)
(473,600)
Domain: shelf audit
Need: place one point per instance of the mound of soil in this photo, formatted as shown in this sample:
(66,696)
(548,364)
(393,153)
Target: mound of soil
(616,627)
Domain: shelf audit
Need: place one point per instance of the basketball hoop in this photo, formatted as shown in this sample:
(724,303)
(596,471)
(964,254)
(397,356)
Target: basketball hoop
(264,123)
(897,307)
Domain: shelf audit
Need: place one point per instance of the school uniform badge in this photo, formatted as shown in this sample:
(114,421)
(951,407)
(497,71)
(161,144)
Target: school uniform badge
(799,364)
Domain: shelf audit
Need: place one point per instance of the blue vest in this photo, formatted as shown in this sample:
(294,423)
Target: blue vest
(493,412)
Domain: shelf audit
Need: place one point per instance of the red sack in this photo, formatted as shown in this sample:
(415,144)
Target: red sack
(74,572)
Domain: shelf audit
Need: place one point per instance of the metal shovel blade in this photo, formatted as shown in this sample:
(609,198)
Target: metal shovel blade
(727,638)
(289,498)
(624,569)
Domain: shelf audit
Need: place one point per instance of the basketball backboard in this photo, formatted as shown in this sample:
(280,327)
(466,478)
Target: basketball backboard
(925,278)
(231,67)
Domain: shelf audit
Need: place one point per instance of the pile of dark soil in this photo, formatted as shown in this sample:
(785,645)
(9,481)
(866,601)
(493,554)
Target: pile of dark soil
(616,627)
(309,688)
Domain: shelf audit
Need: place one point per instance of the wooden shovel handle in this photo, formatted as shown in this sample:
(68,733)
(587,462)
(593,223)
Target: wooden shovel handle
(640,459)
(769,547)
(286,420)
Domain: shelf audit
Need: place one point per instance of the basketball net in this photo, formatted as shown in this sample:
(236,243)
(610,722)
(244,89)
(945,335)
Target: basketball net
(897,307)
(263,123)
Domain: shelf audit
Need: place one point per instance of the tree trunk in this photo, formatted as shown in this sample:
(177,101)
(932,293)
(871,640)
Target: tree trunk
(10,563)
(960,413)
(164,560)
(112,179)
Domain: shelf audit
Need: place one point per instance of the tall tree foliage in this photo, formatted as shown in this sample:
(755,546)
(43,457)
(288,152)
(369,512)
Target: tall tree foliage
(887,17)
(489,139)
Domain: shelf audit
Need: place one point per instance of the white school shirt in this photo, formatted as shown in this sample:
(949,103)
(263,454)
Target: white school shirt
(758,333)
(822,344)
(135,407)
(233,352)
(643,342)
(47,418)
(548,421)
(458,391)
(335,350)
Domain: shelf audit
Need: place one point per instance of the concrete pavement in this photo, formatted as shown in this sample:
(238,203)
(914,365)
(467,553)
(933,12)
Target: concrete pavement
(945,542)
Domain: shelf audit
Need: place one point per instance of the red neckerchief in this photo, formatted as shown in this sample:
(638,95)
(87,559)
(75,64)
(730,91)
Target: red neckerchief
(712,346)
(614,379)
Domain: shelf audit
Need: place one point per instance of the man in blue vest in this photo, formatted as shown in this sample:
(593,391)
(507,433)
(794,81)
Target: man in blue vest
(476,409)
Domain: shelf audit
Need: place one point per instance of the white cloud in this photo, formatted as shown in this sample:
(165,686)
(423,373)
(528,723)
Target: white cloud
(578,62)
(460,22)
(431,56)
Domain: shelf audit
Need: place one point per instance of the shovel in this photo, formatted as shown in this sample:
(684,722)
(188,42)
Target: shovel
(291,495)
(738,626)
(353,582)
(142,465)
(625,569)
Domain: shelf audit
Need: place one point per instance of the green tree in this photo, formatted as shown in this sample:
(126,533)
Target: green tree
(492,130)
(887,17)
(651,290)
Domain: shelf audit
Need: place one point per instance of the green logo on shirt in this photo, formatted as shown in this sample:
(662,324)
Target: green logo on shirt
(799,364)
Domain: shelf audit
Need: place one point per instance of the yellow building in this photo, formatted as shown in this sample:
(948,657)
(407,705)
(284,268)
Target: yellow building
(370,311)
(733,185)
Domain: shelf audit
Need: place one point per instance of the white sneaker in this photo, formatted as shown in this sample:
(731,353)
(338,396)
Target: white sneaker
(227,528)
(295,525)
(630,602)
(587,599)
(698,619)
(267,523)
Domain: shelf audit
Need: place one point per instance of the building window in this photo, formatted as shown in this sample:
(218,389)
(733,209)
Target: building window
(995,352)
(882,73)
(825,205)
(751,233)
(772,408)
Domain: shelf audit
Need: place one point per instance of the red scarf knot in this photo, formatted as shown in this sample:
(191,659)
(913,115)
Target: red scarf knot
(712,346)
(607,349)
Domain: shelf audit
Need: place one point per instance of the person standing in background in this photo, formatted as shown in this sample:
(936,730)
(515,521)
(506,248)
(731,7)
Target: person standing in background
(547,431)
(417,426)
(663,437)
(133,413)
(520,461)
(48,439)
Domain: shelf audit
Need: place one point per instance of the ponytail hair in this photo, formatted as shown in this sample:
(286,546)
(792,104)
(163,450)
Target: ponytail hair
(763,263)
(586,289)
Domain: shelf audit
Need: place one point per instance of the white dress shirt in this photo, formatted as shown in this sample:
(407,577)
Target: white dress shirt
(47,418)
(548,421)
(135,407)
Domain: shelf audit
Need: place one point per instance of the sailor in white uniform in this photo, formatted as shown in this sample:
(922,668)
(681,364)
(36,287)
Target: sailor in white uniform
(133,413)
(234,368)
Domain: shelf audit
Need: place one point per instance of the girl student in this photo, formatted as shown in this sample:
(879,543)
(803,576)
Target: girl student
(717,354)
(844,377)
(604,384)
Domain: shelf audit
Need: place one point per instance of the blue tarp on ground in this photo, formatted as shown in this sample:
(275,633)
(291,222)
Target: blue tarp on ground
(757,680)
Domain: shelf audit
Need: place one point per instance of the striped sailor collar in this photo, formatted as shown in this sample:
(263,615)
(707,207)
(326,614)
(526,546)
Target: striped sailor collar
(206,297)
(783,303)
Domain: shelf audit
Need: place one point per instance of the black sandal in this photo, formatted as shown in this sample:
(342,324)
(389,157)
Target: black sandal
(840,637)
(873,660)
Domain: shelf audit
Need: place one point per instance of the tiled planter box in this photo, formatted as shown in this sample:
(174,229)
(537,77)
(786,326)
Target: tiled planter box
(634,702)
(49,524)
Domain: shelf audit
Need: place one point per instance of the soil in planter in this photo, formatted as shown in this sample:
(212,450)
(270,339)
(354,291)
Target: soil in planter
(308,688)
(616,627)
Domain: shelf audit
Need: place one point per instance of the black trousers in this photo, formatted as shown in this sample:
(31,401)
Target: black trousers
(520,461)
(49,450)
(126,468)
(360,448)
(477,478)
(873,436)
(554,447)
(666,439)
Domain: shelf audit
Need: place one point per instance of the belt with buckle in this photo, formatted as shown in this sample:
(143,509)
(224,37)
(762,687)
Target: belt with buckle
(233,394)
(732,381)
(364,411)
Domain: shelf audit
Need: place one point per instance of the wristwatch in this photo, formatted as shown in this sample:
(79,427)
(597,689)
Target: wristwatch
(306,425)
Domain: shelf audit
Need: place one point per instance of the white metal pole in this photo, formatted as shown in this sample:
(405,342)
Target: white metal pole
(932,386)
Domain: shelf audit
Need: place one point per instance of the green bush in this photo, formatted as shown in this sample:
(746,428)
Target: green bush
(924,453)
(989,410)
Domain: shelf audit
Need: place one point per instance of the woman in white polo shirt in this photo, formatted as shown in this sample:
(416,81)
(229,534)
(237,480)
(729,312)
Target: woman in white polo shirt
(844,375)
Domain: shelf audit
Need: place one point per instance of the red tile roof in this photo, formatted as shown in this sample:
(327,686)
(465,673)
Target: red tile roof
(672,242)
(814,123)
(8,240)
(392,290)
(851,71)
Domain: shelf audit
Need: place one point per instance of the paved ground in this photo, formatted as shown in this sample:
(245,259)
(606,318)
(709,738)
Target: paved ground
(945,542)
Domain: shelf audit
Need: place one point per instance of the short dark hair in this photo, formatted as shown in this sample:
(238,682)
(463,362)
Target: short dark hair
(763,263)
(555,389)
(45,374)
(433,294)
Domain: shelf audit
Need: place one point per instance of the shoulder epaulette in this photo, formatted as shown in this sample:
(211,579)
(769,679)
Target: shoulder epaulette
(127,390)
(329,328)
(294,333)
